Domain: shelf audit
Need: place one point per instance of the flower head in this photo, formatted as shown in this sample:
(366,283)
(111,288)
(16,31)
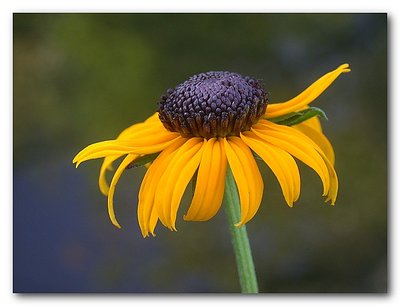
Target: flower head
(212,121)
(213,104)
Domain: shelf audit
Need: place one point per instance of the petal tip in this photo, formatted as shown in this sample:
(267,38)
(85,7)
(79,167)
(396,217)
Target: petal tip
(290,204)
(145,235)
(345,68)
(75,160)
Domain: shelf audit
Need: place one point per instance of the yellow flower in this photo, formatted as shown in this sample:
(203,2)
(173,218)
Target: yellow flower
(209,122)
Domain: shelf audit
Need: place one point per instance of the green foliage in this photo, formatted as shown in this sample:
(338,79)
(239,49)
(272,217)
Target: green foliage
(143,160)
(300,116)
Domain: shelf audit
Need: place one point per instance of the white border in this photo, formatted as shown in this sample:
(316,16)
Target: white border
(198,6)
(7,7)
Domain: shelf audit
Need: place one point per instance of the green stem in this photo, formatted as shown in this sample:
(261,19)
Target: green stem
(240,240)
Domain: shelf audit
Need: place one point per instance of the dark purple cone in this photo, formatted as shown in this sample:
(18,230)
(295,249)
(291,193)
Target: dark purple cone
(213,104)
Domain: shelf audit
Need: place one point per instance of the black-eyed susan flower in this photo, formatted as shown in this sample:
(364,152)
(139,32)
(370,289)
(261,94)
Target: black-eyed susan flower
(210,122)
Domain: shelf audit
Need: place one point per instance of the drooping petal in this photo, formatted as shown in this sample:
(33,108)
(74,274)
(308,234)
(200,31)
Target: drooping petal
(135,129)
(247,177)
(127,160)
(281,163)
(307,96)
(333,191)
(106,165)
(333,180)
(148,133)
(210,183)
(313,123)
(297,144)
(146,144)
(239,176)
(334,184)
(174,180)
(147,214)
(101,149)
(319,138)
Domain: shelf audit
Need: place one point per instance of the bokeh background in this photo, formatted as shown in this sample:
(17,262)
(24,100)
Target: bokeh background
(82,78)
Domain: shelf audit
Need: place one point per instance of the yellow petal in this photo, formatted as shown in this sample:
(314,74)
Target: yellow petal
(132,131)
(333,191)
(203,176)
(334,185)
(153,118)
(295,134)
(210,183)
(319,138)
(281,163)
(247,177)
(154,145)
(106,165)
(143,138)
(239,176)
(141,130)
(147,214)
(174,180)
(104,150)
(295,143)
(128,159)
(148,144)
(313,123)
(153,122)
(138,128)
(307,96)
(95,148)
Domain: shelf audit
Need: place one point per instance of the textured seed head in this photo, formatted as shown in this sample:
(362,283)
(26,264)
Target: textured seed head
(213,104)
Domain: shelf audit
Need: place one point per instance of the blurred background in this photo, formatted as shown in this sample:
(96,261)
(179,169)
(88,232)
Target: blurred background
(82,78)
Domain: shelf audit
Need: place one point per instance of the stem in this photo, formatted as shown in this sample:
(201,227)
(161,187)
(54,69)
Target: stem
(240,240)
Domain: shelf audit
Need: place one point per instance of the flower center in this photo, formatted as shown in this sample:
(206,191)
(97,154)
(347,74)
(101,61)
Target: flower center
(213,104)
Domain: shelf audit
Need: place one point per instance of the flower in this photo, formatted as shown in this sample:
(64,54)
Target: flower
(212,121)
